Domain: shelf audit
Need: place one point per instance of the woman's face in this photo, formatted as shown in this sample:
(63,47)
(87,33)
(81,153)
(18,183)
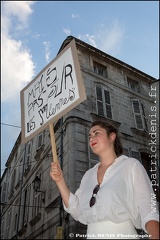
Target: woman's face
(99,140)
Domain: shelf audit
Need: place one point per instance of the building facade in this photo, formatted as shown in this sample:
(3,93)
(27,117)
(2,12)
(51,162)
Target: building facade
(117,92)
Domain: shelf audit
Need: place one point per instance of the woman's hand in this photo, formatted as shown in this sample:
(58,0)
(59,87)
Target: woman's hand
(56,172)
(152,228)
(57,175)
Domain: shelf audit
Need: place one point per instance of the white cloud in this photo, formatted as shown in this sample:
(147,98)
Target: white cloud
(17,65)
(17,68)
(47,50)
(36,36)
(67,31)
(88,38)
(75,15)
(19,10)
(108,38)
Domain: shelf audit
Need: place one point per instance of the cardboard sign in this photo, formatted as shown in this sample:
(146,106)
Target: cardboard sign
(56,90)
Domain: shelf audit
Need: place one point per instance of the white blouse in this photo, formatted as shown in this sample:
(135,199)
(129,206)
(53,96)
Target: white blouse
(125,194)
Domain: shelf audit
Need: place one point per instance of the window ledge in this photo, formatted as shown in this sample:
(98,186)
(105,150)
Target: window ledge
(35,219)
(39,152)
(18,184)
(11,194)
(54,204)
(23,230)
(139,132)
(27,169)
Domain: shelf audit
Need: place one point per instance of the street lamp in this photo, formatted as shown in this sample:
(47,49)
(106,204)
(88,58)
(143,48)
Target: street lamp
(36,186)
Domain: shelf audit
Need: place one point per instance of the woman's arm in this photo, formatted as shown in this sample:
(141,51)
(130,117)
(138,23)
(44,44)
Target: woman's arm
(57,175)
(152,228)
(143,194)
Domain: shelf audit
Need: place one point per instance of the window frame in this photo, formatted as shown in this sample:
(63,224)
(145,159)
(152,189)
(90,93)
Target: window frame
(28,153)
(103,102)
(133,85)
(132,153)
(36,204)
(139,115)
(100,69)
(40,142)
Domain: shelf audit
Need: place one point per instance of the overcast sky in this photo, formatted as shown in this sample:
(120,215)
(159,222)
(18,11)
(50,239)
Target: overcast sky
(33,31)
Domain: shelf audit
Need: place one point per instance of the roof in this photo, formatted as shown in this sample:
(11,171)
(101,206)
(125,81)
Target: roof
(109,58)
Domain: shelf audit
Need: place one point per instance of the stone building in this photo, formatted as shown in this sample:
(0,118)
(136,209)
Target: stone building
(115,91)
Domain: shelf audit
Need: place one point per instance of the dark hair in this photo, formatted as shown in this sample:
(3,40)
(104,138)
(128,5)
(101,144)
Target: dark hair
(110,128)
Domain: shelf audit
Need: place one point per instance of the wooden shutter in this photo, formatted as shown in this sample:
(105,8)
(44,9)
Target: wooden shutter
(144,117)
(137,114)
(99,100)
(40,140)
(108,104)
(4,189)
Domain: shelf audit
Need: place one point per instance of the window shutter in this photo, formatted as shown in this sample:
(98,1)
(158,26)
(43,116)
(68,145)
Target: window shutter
(100,109)
(137,114)
(13,180)
(136,106)
(99,100)
(40,140)
(28,153)
(19,174)
(37,204)
(15,222)
(99,93)
(108,104)
(4,189)
(9,219)
(24,207)
(99,69)
(26,204)
(144,117)
(107,97)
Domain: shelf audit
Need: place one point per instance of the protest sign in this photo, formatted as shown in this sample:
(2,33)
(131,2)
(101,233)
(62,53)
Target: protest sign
(56,90)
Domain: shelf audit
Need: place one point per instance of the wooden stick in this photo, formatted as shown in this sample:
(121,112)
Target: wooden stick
(53,143)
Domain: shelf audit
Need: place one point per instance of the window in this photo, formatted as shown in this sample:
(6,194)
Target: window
(13,180)
(25,204)
(133,85)
(2,229)
(8,221)
(40,140)
(139,115)
(36,204)
(132,153)
(4,189)
(103,102)
(28,154)
(15,222)
(19,178)
(100,69)
(19,172)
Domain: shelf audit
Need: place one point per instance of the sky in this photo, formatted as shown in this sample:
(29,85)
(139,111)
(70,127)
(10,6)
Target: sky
(32,33)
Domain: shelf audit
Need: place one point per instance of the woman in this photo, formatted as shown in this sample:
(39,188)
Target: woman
(114,196)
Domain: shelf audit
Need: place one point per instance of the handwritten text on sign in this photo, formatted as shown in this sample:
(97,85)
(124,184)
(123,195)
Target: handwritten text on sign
(51,93)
